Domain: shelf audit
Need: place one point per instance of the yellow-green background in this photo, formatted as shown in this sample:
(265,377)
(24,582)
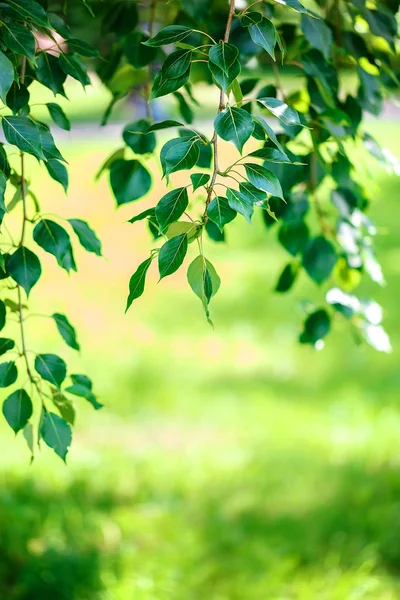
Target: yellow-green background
(231,464)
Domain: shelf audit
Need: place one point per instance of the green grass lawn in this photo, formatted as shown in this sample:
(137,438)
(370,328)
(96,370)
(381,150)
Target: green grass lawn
(226,465)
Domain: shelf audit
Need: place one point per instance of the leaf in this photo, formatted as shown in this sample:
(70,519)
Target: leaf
(220,212)
(240,203)
(192,230)
(225,80)
(129,180)
(52,368)
(30,10)
(223,55)
(199,180)
(24,267)
(294,237)
(163,85)
(136,135)
(118,154)
(6,76)
(169,35)
(287,277)
(58,172)
(178,154)
(19,39)
(197,274)
(271,155)
(82,380)
(250,18)
(176,64)
(81,390)
(17,410)
(3,185)
(72,65)
(270,132)
(295,4)
(49,72)
(149,212)
(56,433)
(318,34)
(8,374)
(319,258)
(86,236)
(64,405)
(281,110)
(164,125)
(171,207)
(53,239)
(263,179)
(137,282)
(50,151)
(58,116)
(316,327)
(234,125)
(5,345)
(264,34)
(23,133)
(66,330)
(184,108)
(18,98)
(136,52)
(172,255)
(83,48)
(256,196)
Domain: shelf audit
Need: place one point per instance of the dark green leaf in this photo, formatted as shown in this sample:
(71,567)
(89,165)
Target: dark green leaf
(263,179)
(295,4)
(78,389)
(86,236)
(294,237)
(171,207)
(136,135)
(8,374)
(49,72)
(118,154)
(169,35)
(224,55)
(129,180)
(287,277)
(214,233)
(18,98)
(251,18)
(136,52)
(82,48)
(281,110)
(178,154)
(164,125)
(66,330)
(52,368)
(172,255)
(137,282)
(58,172)
(19,39)
(50,151)
(5,345)
(199,179)
(184,108)
(225,80)
(23,133)
(176,64)
(56,433)
(54,239)
(264,34)
(163,85)
(220,212)
(316,327)
(30,10)
(72,65)
(3,185)
(319,258)
(234,125)
(254,195)
(83,380)
(3,314)
(17,410)
(270,132)
(6,76)
(24,267)
(149,212)
(270,155)
(240,203)
(318,34)
(58,116)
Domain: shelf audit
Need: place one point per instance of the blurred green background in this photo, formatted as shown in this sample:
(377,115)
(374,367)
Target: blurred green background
(231,464)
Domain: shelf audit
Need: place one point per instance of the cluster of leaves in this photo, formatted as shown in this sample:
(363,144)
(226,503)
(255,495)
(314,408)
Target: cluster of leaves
(289,176)
(42,404)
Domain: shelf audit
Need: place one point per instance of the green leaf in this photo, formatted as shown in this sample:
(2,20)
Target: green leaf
(240,203)
(234,125)
(8,374)
(58,172)
(270,132)
(58,116)
(172,255)
(169,35)
(281,110)
(316,327)
(56,433)
(178,154)
(199,270)
(318,34)
(295,4)
(319,258)
(264,34)
(263,179)
(149,212)
(19,39)
(17,410)
(83,380)
(136,52)
(137,282)
(271,155)
(223,55)
(30,10)
(23,133)
(24,267)
(18,98)
(118,154)
(287,277)
(199,179)
(171,207)
(5,345)
(254,195)
(81,390)
(176,64)
(49,72)
(184,108)
(225,80)
(52,368)
(129,180)
(294,237)
(163,86)
(64,405)
(86,236)
(3,314)
(66,330)
(53,239)
(72,65)
(251,18)
(6,76)
(136,135)
(192,230)
(220,212)
(50,151)
(3,185)
(164,125)
(83,48)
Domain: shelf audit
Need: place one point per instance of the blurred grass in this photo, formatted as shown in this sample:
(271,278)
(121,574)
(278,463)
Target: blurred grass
(226,465)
